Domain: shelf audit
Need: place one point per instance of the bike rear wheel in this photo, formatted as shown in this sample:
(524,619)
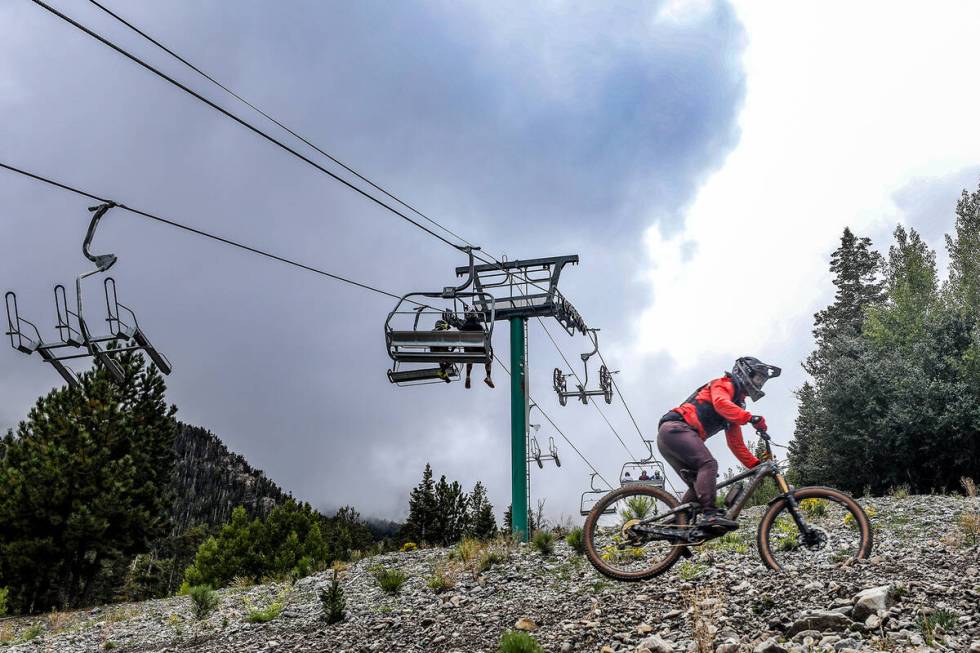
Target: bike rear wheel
(617,553)
(841,531)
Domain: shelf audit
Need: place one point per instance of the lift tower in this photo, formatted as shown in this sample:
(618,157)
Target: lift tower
(522,289)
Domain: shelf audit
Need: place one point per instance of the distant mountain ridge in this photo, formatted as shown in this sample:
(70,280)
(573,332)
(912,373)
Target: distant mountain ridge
(210,481)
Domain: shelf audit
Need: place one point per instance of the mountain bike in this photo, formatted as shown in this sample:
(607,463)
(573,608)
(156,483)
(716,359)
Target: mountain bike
(636,532)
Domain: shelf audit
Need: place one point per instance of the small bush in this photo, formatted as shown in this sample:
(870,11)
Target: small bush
(576,540)
(468,550)
(490,558)
(4,594)
(815,508)
(731,541)
(333,601)
(969,523)
(544,542)
(690,570)
(34,631)
(109,645)
(900,491)
(440,580)
(204,598)
(850,522)
(389,580)
(946,619)
(409,546)
(516,641)
(263,615)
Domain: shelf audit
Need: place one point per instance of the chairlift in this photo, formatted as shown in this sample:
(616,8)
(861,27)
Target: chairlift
(648,471)
(591,496)
(582,393)
(535,448)
(422,352)
(72,327)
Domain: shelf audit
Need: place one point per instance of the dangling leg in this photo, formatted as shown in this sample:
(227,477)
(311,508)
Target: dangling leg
(469,370)
(488,366)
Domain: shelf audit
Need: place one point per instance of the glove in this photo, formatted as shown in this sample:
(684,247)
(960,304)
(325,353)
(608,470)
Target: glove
(759,422)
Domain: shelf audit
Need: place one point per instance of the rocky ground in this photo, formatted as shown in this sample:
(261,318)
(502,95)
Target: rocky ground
(920,591)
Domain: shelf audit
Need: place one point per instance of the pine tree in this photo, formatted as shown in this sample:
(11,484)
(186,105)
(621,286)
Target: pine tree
(421,523)
(85,487)
(482,523)
(451,512)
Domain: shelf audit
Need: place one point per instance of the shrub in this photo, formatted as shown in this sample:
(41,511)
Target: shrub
(468,550)
(441,579)
(333,601)
(576,540)
(946,619)
(849,518)
(731,541)
(490,558)
(205,599)
(4,593)
(814,507)
(409,546)
(544,542)
(900,491)
(969,523)
(690,570)
(389,580)
(268,613)
(516,641)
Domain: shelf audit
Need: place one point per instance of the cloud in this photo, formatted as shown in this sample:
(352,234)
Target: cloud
(857,116)
(534,130)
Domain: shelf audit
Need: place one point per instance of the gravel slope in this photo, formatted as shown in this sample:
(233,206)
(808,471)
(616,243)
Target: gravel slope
(923,567)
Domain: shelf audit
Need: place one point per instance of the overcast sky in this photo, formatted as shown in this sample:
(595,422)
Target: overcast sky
(701,158)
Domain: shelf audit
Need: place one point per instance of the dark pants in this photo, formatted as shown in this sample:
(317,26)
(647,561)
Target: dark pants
(683,449)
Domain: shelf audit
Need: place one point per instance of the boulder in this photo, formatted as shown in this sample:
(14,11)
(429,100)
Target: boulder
(820,620)
(869,601)
(656,644)
(770,646)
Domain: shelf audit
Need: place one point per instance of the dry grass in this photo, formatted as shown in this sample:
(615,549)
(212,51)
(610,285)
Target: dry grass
(705,607)
(6,634)
(969,486)
(59,621)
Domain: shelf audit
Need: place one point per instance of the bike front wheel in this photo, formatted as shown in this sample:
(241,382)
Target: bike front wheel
(836,529)
(617,551)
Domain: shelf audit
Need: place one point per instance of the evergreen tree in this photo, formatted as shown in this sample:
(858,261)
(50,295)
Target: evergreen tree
(482,523)
(421,523)
(451,512)
(85,483)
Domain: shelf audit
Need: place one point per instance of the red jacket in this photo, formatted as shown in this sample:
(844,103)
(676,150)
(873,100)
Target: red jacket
(713,407)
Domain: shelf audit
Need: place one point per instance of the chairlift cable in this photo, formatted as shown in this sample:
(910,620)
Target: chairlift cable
(619,393)
(278,123)
(241,121)
(606,419)
(263,134)
(199,232)
(560,432)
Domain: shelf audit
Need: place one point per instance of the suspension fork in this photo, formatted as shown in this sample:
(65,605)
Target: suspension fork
(793,506)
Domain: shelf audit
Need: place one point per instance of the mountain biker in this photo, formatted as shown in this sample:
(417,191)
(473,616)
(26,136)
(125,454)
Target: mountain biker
(716,405)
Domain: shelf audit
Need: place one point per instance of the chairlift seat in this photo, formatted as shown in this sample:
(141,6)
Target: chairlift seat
(422,374)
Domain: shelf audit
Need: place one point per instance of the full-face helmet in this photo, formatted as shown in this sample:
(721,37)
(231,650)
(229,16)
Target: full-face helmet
(750,374)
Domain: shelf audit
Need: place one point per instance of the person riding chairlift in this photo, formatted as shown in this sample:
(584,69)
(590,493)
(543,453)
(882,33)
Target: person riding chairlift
(445,367)
(716,405)
(472,323)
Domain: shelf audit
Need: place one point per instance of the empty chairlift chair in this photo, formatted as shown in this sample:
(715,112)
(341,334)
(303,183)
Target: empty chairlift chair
(430,334)
(581,391)
(73,329)
(534,449)
(591,496)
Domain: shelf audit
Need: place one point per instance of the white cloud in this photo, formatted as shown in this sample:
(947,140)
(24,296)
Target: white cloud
(845,104)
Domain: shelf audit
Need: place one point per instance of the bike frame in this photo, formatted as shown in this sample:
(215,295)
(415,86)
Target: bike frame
(767,468)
